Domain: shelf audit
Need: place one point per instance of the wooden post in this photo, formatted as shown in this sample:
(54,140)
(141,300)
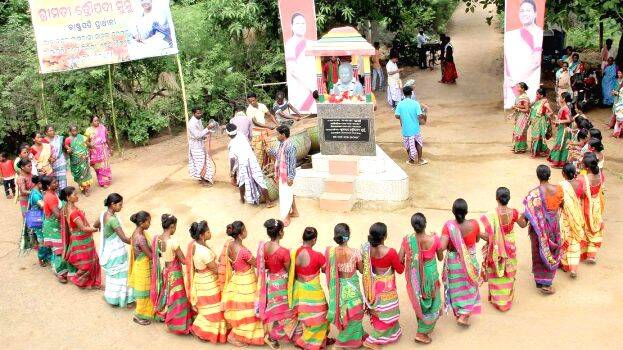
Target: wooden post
(43,113)
(601,35)
(183,86)
(112,108)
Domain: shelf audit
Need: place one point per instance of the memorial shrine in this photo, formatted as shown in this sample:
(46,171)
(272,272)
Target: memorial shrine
(350,168)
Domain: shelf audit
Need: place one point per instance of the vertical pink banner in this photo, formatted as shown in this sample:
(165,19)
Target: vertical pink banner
(298,24)
(523,40)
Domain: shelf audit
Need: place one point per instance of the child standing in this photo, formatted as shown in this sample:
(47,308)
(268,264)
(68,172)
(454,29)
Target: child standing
(8,175)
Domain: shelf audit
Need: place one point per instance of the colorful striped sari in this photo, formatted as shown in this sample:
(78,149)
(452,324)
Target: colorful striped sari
(99,154)
(572,227)
(79,161)
(423,285)
(544,237)
(44,253)
(460,275)
(205,296)
(169,293)
(59,167)
(539,124)
(52,239)
(346,307)
(238,301)
(593,213)
(381,297)
(139,279)
(114,260)
(272,306)
(308,301)
(522,124)
(80,251)
(500,262)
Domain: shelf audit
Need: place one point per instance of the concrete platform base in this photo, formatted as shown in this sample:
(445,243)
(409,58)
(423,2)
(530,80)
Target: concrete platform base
(343,182)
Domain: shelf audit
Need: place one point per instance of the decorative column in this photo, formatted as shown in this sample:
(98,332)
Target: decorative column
(366,78)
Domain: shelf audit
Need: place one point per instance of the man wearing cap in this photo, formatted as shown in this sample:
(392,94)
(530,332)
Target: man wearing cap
(245,171)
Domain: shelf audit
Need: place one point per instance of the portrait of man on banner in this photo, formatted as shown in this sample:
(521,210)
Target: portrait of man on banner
(523,39)
(298,24)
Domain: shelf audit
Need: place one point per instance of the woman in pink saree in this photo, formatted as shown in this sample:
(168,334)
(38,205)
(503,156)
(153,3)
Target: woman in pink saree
(99,151)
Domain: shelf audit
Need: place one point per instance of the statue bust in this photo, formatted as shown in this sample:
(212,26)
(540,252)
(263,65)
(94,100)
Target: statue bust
(347,87)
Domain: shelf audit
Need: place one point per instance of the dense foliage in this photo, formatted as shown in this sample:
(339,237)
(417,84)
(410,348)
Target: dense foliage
(226,47)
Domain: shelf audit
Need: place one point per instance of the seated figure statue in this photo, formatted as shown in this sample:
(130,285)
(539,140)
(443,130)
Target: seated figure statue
(347,87)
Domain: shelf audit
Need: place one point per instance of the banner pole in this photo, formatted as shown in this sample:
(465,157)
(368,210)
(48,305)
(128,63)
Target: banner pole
(45,117)
(112,107)
(183,86)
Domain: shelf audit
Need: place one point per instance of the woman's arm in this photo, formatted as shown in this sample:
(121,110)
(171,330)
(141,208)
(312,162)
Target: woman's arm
(121,235)
(83,226)
(180,255)
(144,247)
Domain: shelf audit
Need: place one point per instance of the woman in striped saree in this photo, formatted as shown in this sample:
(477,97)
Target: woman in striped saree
(542,207)
(380,263)
(168,293)
(346,307)
(572,224)
(273,265)
(139,273)
(307,297)
(500,254)
(78,151)
(99,151)
(52,227)
(41,154)
(593,205)
(418,252)
(540,113)
(35,201)
(57,160)
(24,187)
(77,236)
(521,114)
(202,287)
(239,285)
(113,254)
(460,268)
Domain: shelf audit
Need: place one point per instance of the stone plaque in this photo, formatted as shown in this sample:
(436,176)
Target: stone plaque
(346,129)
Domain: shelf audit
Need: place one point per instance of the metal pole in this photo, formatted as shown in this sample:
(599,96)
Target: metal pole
(183,86)
(112,108)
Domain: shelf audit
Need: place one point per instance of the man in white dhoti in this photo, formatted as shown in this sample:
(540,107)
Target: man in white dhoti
(198,165)
(285,171)
(244,170)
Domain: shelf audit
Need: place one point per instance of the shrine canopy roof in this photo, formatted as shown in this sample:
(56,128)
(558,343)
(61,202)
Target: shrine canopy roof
(343,41)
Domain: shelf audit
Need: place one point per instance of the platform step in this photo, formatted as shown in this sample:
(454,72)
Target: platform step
(340,184)
(343,167)
(339,202)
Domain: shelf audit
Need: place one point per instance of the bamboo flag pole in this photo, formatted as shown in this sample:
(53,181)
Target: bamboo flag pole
(45,116)
(183,86)
(112,107)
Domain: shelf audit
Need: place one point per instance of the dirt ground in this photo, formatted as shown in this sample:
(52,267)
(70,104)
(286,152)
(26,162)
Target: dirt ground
(467,142)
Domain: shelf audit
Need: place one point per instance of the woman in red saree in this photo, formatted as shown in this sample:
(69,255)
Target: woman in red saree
(99,151)
(168,293)
(77,236)
(449,73)
(273,265)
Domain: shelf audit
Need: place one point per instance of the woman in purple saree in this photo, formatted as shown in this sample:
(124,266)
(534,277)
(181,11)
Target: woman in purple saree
(99,151)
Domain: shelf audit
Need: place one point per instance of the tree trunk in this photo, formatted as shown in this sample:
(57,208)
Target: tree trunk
(619,58)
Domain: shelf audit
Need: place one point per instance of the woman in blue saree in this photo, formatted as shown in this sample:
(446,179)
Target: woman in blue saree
(609,82)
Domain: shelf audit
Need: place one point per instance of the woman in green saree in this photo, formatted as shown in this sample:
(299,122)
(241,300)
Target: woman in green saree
(539,124)
(418,252)
(76,146)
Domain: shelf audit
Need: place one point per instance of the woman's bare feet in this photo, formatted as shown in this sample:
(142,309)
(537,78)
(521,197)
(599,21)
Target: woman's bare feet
(463,320)
(141,322)
(235,342)
(273,344)
(422,338)
(369,345)
(548,290)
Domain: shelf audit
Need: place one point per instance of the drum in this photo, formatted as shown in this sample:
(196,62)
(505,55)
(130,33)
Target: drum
(300,139)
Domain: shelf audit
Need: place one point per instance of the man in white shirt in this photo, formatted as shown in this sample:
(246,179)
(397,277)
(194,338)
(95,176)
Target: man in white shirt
(258,112)
(394,84)
(422,40)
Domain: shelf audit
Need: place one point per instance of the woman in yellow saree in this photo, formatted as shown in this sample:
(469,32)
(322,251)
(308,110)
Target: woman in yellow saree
(140,268)
(202,287)
(42,154)
(572,224)
(593,205)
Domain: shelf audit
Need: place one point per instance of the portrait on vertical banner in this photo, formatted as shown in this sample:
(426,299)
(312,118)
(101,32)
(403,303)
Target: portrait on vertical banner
(298,24)
(523,39)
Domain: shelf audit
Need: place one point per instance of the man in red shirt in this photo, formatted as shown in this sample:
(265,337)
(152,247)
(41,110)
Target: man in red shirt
(8,175)
(329,72)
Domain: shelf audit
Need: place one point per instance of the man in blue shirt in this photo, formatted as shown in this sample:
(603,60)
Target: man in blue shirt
(409,112)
